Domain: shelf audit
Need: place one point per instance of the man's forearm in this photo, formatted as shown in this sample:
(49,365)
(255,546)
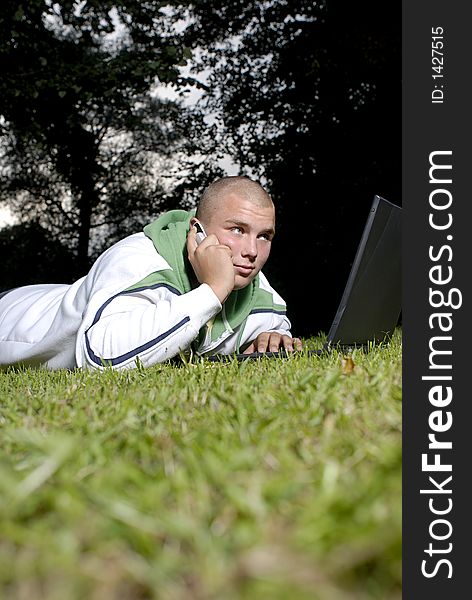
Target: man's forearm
(152,329)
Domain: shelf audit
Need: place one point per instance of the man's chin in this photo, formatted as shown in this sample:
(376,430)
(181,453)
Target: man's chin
(241,282)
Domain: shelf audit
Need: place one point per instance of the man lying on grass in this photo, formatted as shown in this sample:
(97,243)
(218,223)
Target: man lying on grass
(157,293)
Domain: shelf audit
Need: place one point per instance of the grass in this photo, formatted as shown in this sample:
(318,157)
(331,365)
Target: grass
(269,479)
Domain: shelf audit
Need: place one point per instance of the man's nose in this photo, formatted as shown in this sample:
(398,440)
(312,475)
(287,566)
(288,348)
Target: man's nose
(250,247)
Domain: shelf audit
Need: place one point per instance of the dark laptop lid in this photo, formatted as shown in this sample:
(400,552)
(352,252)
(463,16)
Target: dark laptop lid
(371,302)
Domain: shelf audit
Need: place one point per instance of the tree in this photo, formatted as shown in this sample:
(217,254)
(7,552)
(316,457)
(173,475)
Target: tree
(308,98)
(83,139)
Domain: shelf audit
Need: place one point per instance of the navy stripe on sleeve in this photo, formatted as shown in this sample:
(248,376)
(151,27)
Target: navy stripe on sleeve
(149,287)
(268,310)
(120,359)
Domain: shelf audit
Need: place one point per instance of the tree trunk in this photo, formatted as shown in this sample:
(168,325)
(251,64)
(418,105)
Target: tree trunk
(84,171)
(85,216)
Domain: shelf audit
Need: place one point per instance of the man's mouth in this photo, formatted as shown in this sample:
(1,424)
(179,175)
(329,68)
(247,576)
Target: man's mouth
(244,270)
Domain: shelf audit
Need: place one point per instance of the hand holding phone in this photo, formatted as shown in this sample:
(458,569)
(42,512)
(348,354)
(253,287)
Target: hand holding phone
(213,263)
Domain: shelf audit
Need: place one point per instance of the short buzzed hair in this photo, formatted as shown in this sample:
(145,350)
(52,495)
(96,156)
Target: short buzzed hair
(236,184)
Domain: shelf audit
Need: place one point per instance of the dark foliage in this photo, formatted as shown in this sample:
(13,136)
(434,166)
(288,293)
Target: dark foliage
(30,255)
(310,97)
(82,137)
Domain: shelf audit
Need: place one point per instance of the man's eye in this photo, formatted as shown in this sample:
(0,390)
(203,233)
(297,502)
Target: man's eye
(265,236)
(237,229)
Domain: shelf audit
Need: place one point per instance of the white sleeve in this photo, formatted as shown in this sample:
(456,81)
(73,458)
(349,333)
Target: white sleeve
(152,325)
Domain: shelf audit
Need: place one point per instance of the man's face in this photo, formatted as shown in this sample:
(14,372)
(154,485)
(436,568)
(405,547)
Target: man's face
(248,230)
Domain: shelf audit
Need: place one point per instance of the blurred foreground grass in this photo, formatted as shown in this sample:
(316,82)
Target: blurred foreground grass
(272,479)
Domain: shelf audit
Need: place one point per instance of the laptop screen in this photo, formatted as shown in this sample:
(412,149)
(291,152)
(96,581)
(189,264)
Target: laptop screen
(371,303)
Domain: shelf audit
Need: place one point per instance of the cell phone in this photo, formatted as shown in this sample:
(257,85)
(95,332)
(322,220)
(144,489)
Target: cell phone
(201,233)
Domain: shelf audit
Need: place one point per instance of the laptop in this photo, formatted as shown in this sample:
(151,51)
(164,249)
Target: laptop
(371,302)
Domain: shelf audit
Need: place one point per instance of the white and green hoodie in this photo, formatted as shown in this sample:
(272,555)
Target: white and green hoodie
(136,302)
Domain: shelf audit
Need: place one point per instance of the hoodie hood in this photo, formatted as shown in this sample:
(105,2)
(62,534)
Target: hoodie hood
(168,233)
